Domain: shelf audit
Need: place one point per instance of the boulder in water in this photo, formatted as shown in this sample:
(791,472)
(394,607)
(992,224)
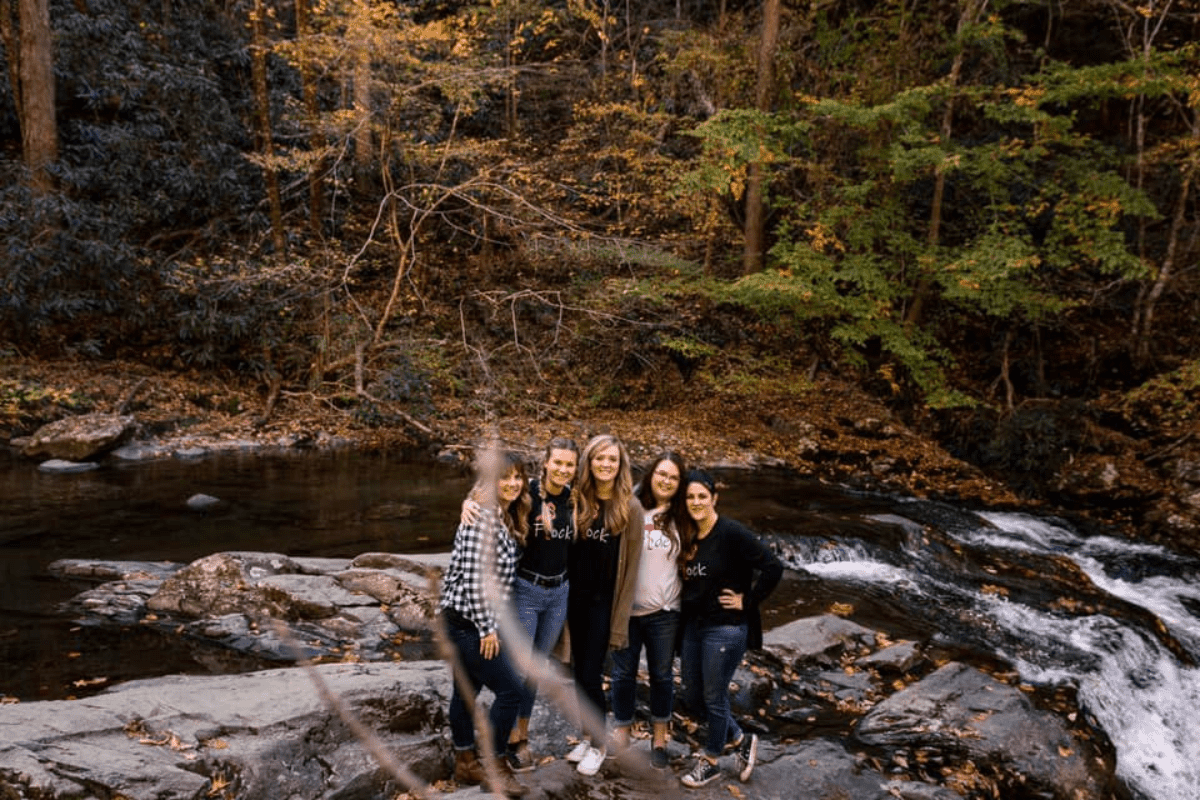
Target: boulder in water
(80,438)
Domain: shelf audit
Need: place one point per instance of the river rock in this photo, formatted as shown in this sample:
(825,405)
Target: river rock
(222,584)
(203,502)
(813,676)
(61,466)
(271,606)
(896,658)
(959,715)
(817,639)
(825,769)
(320,733)
(261,735)
(79,438)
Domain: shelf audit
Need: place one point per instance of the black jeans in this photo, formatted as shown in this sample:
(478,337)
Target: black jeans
(589,617)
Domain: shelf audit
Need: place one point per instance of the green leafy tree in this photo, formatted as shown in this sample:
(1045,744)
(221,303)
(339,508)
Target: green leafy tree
(1003,210)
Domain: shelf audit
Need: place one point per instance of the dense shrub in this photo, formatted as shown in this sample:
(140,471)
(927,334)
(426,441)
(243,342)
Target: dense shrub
(153,134)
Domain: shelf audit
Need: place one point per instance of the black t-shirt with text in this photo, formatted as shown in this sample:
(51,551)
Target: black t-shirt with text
(546,548)
(594,558)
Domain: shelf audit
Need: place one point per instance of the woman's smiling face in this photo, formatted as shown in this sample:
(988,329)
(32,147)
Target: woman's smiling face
(509,487)
(560,469)
(701,503)
(606,463)
(664,481)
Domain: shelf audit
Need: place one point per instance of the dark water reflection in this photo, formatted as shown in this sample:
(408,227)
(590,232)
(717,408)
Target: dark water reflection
(336,504)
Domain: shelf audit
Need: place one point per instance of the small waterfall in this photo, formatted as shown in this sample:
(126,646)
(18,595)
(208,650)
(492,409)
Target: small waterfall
(1139,692)
(1115,620)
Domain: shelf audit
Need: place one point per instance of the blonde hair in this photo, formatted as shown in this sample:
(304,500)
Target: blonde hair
(587,504)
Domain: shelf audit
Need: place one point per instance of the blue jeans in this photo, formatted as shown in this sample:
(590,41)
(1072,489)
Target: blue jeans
(542,613)
(496,674)
(711,654)
(657,633)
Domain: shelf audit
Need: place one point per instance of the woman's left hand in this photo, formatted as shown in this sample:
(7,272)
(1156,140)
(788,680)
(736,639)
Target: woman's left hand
(489,646)
(730,599)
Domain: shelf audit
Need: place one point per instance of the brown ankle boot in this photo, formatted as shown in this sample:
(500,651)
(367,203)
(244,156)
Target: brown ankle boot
(508,785)
(467,769)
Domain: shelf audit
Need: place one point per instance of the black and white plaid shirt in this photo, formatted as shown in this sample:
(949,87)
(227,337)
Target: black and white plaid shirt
(483,552)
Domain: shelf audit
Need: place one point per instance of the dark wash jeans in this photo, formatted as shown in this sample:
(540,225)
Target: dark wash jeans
(496,674)
(656,632)
(710,656)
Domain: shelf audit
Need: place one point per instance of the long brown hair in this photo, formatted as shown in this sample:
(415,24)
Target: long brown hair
(516,514)
(675,522)
(587,504)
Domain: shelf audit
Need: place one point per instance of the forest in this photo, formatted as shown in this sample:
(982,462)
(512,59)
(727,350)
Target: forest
(967,208)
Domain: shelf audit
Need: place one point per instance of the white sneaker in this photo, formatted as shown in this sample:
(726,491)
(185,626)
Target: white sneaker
(577,754)
(591,762)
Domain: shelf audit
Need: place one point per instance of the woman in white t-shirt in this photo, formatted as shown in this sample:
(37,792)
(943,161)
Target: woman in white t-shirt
(654,619)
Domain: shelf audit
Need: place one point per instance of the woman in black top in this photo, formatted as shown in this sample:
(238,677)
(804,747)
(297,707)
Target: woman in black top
(603,565)
(540,590)
(728,572)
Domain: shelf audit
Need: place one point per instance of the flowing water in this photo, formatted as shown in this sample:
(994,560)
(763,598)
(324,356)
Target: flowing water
(1116,623)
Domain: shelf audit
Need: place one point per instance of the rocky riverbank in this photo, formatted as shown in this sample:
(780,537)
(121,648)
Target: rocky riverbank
(842,710)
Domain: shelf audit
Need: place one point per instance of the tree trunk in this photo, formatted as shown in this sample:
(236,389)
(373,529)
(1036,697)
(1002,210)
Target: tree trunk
(35,70)
(1143,319)
(262,97)
(1139,37)
(972,10)
(316,140)
(360,41)
(755,227)
(510,65)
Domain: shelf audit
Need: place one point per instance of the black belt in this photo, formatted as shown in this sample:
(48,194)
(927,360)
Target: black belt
(545,581)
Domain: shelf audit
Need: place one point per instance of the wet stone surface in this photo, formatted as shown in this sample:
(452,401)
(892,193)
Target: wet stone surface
(841,710)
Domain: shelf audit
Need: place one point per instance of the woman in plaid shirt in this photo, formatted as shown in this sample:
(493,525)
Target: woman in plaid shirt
(479,578)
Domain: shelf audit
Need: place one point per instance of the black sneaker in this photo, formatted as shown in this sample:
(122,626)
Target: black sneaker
(659,758)
(746,756)
(702,774)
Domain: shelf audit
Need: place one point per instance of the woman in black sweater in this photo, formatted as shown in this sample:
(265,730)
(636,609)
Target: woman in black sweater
(727,574)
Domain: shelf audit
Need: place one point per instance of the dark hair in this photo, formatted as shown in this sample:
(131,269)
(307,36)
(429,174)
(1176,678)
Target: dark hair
(644,491)
(703,478)
(687,535)
(675,521)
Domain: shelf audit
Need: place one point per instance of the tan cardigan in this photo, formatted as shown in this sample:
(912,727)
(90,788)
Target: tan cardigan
(628,563)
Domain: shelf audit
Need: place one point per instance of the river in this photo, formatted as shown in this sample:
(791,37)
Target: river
(1117,624)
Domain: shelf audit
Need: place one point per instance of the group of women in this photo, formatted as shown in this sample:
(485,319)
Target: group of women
(653,569)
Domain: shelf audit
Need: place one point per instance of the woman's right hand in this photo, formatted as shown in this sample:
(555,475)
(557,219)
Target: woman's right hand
(470,512)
